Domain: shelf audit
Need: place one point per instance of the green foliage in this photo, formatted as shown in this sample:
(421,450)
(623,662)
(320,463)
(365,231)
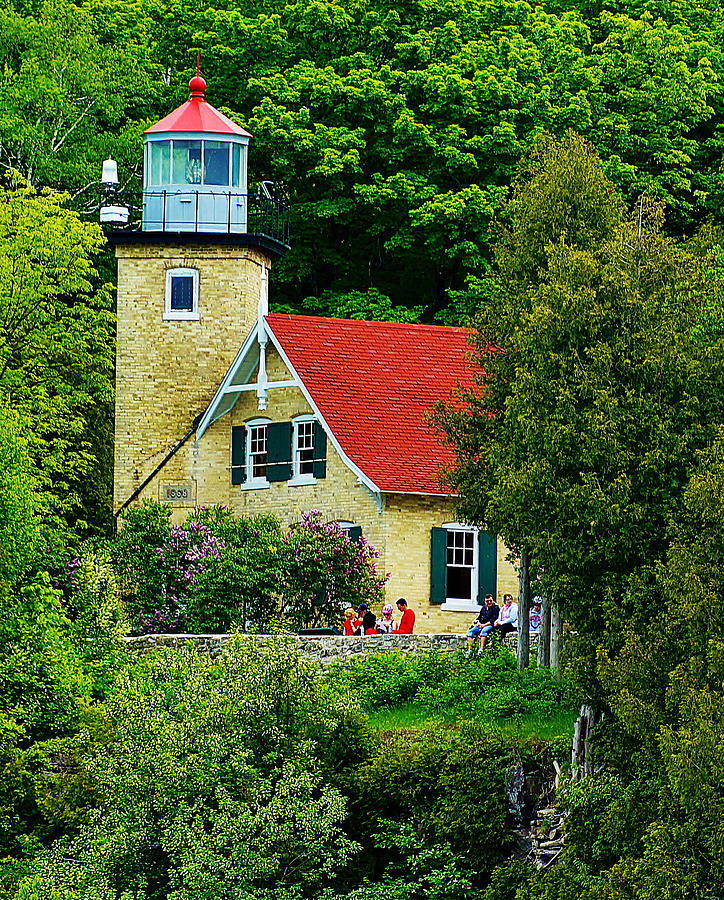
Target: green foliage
(56,351)
(210,783)
(99,621)
(592,415)
(134,552)
(69,99)
(19,533)
(242,586)
(488,688)
(444,786)
(607,818)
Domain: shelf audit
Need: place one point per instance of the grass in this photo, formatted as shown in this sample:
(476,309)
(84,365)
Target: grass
(412,715)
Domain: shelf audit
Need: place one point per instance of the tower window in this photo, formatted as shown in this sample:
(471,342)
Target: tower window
(182,294)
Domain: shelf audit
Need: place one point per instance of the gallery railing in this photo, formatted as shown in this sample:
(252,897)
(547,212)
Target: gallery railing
(179,210)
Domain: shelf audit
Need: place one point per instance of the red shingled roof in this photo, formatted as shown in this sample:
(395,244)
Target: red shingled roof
(374,383)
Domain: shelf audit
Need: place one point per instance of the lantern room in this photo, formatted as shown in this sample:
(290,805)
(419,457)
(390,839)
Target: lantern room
(195,170)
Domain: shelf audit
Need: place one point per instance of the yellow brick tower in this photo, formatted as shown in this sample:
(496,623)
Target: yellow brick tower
(192,267)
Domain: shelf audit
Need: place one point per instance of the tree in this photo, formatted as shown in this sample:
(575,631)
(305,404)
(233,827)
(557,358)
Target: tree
(594,398)
(56,349)
(68,100)
(209,783)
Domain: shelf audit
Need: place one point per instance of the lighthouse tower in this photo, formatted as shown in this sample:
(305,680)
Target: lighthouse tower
(193,255)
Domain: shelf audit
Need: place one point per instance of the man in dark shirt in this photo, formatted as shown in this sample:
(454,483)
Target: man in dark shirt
(483,624)
(369,620)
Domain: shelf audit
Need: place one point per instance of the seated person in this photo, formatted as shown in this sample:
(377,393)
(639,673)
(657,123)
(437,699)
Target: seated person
(507,622)
(536,616)
(483,624)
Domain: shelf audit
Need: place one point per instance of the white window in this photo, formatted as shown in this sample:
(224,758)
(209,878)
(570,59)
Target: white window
(182,294)
(461,567)
(256,447)
(303,451)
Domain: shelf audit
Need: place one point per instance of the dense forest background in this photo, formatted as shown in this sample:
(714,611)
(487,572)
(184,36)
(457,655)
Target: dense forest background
(395,131)
(553,172)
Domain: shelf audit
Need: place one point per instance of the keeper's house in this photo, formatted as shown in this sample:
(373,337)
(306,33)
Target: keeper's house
(221,402)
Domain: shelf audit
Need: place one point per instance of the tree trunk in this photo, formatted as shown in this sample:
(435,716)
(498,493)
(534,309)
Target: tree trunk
(587,719)
(555,639)
(524,611)
(544,638)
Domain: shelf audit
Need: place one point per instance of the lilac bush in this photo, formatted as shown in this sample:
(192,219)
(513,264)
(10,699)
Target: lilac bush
(325,571)
(185,555)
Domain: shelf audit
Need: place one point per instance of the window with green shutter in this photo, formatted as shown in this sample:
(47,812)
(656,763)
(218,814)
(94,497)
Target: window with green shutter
(279,451)
(238,454)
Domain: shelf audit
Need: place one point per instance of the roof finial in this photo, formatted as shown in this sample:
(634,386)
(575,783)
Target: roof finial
(197,85)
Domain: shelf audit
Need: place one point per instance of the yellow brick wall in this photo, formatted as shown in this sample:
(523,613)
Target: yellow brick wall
(409,520)
(167,371)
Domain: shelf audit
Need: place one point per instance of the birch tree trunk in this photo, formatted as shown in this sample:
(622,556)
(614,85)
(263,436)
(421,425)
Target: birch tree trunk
(555,639)
(544,638)
(524,611)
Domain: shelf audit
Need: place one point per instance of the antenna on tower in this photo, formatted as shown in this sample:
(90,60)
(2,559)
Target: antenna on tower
(198,63)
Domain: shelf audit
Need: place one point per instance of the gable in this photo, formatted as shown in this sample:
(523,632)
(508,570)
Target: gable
(372,385)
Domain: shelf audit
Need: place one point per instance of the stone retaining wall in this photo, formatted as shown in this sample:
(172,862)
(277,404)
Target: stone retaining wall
(326,649)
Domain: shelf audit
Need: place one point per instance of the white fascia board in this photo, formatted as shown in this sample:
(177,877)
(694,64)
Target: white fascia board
(420,493)
(208,416)
(366,480)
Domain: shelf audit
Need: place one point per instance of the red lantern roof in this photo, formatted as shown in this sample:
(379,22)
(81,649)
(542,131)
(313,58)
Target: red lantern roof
(196,115)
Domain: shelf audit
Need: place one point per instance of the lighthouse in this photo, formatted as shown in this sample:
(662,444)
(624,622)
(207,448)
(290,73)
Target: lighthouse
(193,251)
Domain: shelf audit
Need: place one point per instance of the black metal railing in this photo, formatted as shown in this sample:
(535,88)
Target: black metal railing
(181,210)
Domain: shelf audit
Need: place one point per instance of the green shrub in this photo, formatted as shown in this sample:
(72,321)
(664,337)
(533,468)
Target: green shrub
(489,687)
(447,784)
(242,587)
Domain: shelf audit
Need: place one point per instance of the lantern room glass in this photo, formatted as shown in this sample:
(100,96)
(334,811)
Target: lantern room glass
(186,162)
(160,163)
(183,161)
(216,162)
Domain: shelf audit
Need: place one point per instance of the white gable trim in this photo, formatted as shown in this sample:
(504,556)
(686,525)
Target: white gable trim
(226,388)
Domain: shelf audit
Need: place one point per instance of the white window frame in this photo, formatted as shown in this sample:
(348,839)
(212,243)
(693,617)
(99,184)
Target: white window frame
(455,604)
(182,314)
(297,477)
(252,483)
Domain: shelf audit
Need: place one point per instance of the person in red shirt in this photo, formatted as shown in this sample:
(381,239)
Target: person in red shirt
(407,622)
(351,622)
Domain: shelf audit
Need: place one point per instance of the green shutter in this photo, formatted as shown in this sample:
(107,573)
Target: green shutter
(354,533)
(279,451)
(438,565)
(487,565)
(238,454)
(319,466)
